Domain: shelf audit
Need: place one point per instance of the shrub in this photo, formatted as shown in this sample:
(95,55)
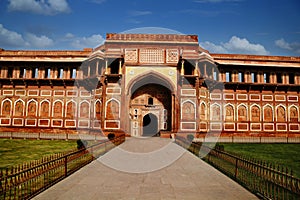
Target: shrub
(111,136)
(81,144)
(190,137)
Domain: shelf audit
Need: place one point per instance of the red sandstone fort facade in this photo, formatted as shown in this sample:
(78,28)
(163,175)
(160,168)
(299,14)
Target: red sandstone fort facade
(141,84)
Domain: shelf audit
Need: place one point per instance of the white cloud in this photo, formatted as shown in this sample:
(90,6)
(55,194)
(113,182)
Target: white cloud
(11,38)
(139,13)
(283,44)
(84,42)
(44,7)
(293,47)
(38,42)
(236,45)
(97,1)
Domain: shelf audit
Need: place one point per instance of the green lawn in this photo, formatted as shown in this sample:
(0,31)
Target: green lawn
(18,151)
(287,155)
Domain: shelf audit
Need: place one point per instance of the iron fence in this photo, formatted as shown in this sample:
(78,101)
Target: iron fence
(266,180)
(27,180)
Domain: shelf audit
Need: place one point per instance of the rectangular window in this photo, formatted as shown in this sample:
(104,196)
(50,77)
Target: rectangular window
(73,73)
(254,77)
(266,78)
(241,77)
(9,72)
(279,77)
(60,73)
(291,78)
(215,76)
(35,73)
(228,77)
(22,73)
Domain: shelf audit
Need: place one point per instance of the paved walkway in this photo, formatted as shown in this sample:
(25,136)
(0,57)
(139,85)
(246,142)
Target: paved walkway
(183,176)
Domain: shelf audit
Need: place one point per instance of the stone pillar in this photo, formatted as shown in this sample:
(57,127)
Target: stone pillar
(120,66)
(106,66)
(182,68)
(196,69)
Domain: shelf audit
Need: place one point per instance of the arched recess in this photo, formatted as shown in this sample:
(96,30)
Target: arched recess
(45,108)
(84,109)
(19,108)
(293,113)
(268,115)
(97,109)
(112,110)
(71,109)
(32,108)
(203,111)
(229,112)
(242,112)
(150,77)
(6,107)
(57,110)
(280,113)
(150,125)
(215,112)
(188,111)
(255,113)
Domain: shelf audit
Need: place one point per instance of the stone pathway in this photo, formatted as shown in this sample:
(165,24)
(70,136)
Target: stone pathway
(183,177)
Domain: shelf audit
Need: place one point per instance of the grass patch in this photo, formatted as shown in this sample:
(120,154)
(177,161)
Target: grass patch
(18,151)
(285,155)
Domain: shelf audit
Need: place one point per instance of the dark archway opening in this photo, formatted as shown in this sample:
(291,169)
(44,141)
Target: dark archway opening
(150,125)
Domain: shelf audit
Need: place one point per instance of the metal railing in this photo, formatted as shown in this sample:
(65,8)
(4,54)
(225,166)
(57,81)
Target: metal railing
(265,180)
(27,180)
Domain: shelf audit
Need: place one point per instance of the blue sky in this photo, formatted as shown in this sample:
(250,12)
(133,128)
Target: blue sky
(264,27)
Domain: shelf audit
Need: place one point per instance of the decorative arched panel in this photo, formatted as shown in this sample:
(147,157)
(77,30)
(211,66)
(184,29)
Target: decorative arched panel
(57,110)
(112,109)
(293,114)
(280,113)
(229,113)
(188,111)
(215,112)
(255,113)
(32,108)
(6,107)
(45,108)
(84,109)
(19,108)
(71,109)
(97,109)
(268,113)
(242,113)
(203,111)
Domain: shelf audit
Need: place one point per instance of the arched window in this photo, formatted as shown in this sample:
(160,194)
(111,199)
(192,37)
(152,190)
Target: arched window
(229,113)
(84,109)
(150,101)
(71,109)
(242,113)
(268,113)
(19,108)
(45,108)
(32,108)
(57,109)
(6,107)
(98,109)
(203,111)
(188,111)
(255,113)
(215,112)
(112,109)
(293,114)
(281,114)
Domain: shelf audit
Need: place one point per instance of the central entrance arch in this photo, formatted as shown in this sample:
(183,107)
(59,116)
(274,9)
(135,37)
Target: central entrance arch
(150,125)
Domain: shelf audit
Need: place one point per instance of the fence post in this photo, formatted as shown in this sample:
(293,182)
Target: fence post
(236,168)
(66,165)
